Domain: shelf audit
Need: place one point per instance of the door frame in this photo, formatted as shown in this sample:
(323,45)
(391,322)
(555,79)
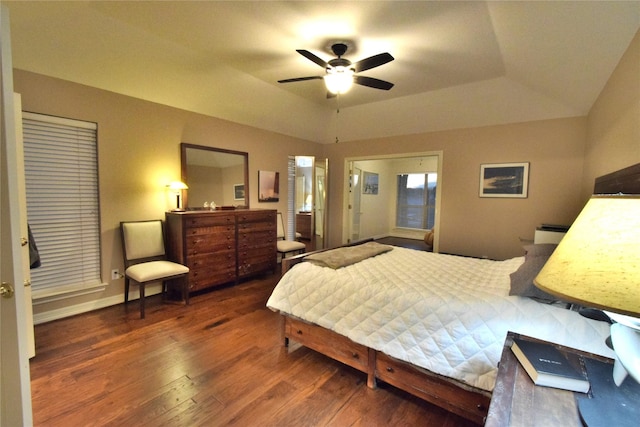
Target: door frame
(349,161)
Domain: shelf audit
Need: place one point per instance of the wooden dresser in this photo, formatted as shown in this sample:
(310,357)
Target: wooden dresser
(222,246)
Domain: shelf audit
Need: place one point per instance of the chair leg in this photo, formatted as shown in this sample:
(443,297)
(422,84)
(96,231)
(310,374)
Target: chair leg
(126,290)
(142,300)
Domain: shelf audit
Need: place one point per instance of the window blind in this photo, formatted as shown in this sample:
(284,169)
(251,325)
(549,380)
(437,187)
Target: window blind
(61,175)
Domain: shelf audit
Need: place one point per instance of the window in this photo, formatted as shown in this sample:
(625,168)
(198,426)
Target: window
(416,200)
(61,174)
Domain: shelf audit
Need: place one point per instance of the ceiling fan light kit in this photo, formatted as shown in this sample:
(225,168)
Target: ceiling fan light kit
(341,73)
(338,79)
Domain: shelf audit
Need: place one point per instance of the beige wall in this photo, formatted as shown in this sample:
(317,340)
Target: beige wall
(613,132)
(470,225)
(139,153)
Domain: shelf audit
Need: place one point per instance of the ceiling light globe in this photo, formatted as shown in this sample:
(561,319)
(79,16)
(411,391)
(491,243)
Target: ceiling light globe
(338,79)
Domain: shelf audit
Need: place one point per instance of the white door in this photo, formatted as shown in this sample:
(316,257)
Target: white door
(321,176)
(354,203)
(15,388)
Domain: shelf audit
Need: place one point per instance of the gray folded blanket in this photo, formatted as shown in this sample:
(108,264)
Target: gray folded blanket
(341,257)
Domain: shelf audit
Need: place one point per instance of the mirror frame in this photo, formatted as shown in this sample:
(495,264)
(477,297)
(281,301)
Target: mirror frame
(184,146)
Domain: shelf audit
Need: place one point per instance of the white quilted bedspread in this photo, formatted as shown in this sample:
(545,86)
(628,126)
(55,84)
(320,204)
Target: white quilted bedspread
(444,313)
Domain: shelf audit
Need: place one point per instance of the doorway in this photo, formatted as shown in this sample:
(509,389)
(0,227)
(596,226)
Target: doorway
(309,202)
(375,209)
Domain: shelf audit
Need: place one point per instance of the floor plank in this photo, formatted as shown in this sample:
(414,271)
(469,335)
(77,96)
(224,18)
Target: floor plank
(218,361)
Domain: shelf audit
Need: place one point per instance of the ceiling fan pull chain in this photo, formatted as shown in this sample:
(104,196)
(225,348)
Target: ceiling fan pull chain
(337,117)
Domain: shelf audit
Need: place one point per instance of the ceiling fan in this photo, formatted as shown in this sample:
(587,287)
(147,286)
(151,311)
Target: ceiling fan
(340,72)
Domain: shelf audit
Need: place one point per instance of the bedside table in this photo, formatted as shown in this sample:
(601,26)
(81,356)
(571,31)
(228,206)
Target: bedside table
(517,401)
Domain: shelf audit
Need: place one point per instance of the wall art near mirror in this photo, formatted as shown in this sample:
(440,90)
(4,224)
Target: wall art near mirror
(268,186)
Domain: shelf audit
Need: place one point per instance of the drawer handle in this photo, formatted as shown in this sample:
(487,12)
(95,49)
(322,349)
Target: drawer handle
(354,355)
(389,369)
(299,332)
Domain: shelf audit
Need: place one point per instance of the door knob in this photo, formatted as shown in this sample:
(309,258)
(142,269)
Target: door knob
(6,290)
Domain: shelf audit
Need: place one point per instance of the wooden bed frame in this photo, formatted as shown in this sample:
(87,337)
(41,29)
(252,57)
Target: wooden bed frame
(469,402)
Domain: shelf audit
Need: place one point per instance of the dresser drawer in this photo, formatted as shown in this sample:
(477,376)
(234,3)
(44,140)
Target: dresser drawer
(201,244)
(212,261)
(268,217)
(256,238)
(226,229)
(209,220)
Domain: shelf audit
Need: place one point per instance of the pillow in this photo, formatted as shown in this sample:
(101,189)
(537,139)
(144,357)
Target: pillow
(540,249)
(522,279)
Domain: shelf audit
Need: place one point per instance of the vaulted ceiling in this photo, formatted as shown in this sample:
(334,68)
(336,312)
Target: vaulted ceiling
(457,64)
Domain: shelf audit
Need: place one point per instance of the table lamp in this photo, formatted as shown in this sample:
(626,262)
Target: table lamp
(177,187)
(597,264)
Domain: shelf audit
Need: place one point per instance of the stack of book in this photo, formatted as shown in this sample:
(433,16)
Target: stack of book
(548,367)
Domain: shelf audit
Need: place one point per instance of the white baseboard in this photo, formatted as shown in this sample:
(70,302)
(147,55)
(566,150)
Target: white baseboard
(72,310)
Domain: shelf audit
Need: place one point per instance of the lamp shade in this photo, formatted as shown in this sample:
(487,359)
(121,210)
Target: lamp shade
(597,263)
(177,185)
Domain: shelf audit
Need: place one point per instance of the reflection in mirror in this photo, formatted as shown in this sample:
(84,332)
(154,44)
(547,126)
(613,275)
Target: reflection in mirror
(214,175)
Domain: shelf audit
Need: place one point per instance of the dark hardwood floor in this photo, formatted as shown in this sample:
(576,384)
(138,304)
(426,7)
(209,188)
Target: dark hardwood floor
(218,361)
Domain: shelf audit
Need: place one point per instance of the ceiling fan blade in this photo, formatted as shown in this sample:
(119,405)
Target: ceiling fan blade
(371,82)
(311,57)
(300,79)
(372,62)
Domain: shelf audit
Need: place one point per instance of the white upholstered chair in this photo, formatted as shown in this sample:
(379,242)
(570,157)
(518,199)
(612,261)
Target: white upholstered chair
(287,246)
(145,259)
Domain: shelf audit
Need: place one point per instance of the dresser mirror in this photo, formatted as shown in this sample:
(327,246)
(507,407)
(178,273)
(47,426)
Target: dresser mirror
(214,175)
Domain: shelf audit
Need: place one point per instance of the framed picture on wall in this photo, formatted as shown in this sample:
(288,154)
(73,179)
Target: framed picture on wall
(268,186)
(504,180)
(369,183)
(238,191)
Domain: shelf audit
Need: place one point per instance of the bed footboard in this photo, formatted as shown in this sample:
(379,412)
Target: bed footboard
(332,345)
(468,402)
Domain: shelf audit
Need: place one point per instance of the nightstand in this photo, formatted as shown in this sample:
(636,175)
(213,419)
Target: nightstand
(516,401)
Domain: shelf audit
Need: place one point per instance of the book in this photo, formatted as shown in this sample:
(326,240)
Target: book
(548,367)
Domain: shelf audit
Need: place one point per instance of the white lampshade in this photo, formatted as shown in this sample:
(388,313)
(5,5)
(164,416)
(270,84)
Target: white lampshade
(338,79)
(177,186)
(597,263)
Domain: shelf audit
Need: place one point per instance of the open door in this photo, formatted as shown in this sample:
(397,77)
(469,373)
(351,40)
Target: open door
(15,387)
(321,176)
(354,203)
(310,200)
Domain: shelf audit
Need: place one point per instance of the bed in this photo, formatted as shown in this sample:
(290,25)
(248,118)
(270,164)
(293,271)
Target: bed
(433,325)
